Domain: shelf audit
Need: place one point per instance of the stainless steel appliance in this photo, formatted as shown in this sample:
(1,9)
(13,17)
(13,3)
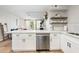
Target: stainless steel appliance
(42,42)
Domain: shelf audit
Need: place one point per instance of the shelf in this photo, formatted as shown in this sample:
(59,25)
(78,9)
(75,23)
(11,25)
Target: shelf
(58,18)
(58,23)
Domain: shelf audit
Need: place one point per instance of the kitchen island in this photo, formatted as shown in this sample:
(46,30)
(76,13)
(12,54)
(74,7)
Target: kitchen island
(59,40)
(27,40)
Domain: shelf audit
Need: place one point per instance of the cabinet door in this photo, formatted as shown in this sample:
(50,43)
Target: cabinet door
(68,45)
(64,43)
(54,41)
(31,42)
(71,47)
(23,42)
(18,42)
(75,48)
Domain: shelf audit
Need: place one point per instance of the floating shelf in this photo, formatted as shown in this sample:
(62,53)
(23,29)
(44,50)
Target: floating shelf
(58,23)
(58,18)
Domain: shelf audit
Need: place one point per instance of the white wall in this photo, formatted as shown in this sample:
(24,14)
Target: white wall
(73,19)
(10,19)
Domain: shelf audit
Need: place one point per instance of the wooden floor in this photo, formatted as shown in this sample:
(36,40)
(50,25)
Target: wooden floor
(5,47)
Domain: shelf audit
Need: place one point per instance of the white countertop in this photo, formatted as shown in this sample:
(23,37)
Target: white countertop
(75,38)
(32,31)
(43,31)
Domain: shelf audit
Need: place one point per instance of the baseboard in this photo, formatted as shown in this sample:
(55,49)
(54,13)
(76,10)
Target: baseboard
(62,50)
(22,51)
(42,50)
(31,51)
(57,50)
(16,51)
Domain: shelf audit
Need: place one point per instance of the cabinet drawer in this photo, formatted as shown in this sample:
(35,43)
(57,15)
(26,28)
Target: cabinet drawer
(31,36)
(19,35)
(24,36)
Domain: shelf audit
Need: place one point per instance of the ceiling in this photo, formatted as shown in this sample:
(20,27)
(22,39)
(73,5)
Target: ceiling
(28,11)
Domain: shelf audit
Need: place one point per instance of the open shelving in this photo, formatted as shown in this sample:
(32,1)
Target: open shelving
(58,20)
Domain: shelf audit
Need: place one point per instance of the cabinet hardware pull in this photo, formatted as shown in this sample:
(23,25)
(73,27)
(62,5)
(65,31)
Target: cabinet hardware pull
(23,40)
(55,34)
(17,35)
(69,44)
(30,35)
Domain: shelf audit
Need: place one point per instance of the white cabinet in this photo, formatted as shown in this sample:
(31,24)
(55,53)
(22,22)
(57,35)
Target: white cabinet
(72,47)
(75,48)
(63,43)
(54,41)
(31,42)
(17,42)
(68,45)
(23,42)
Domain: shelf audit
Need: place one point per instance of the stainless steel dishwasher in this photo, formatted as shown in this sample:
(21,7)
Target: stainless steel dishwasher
(42,42)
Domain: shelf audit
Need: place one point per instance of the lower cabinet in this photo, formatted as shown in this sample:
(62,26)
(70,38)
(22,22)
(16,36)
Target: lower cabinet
(72,47)
(54,41)
(23,42)
(63,43)
(69,46)
(27,42)
(75,48)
